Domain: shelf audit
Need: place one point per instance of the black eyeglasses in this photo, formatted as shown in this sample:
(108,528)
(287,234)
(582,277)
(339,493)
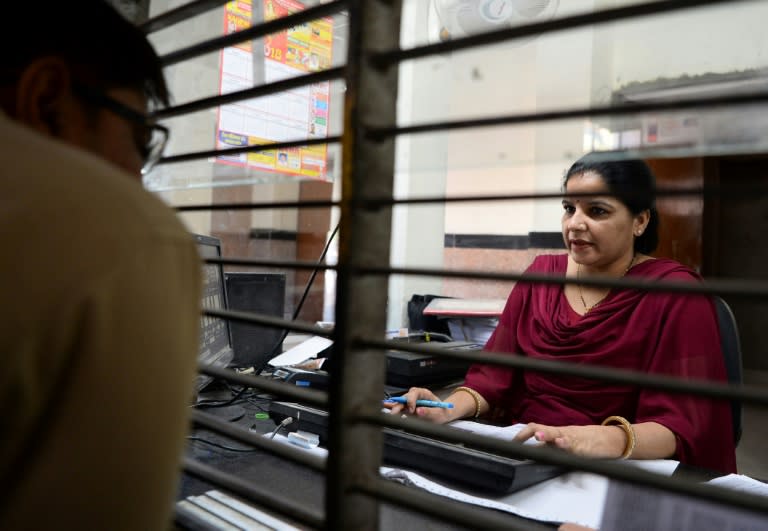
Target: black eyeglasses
(150,137)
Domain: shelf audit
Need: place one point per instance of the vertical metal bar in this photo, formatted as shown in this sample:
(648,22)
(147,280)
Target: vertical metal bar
(355,449)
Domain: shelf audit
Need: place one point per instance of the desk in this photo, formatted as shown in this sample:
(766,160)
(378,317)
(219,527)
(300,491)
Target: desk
(301,484)
(285,478)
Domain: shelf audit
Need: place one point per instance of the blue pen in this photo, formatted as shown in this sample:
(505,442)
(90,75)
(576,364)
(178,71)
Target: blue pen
(421,403)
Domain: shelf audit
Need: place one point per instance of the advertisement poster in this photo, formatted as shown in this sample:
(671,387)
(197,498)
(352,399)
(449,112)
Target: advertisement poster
(293,115)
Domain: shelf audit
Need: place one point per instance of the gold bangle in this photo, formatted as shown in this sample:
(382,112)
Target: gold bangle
(475,396)
(629,431)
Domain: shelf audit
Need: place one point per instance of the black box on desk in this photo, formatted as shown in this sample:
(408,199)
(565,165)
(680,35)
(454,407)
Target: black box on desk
(409,369)
(262,293)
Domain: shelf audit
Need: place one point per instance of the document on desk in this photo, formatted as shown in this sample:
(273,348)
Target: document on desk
(301,352)
(675,512)
(505,433)
(741,483)
(580,496)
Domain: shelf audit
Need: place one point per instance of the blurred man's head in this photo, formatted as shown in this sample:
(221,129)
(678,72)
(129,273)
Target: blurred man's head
(83,74)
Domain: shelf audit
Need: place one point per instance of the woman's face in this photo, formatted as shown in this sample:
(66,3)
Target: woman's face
(599,230)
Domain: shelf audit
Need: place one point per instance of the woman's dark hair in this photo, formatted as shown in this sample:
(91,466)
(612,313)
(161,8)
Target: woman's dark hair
(632,182)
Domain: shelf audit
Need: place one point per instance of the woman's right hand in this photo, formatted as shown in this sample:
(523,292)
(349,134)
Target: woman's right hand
(433,414)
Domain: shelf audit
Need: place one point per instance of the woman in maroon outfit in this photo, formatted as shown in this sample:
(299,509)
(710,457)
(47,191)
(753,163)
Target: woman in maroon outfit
(607,236)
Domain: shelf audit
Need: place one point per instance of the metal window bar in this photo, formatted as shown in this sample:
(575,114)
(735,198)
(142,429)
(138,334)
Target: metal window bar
(180,14)
(253,92)
(259,30)
(367,17)
(425,200)
(395,55)
(183,157)
(258,494)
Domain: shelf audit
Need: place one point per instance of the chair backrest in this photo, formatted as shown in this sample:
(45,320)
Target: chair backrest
(731,345)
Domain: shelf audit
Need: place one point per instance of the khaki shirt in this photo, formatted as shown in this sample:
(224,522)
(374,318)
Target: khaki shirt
(100,287)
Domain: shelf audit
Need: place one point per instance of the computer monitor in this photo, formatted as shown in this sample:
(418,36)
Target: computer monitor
(263,294)
(215,338)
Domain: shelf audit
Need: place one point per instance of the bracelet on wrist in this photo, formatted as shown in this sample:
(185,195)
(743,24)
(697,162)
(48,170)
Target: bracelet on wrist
(626,426)
(475,396)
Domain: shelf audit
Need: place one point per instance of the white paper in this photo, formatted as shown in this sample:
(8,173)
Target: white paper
(654,509)
(664,467)
(301,352)
(741,483)
(580,495)
(505,433)
(576,497)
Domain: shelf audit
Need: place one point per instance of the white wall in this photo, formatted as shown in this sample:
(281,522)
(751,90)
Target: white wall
(572,69)
(417,232)
(727,38)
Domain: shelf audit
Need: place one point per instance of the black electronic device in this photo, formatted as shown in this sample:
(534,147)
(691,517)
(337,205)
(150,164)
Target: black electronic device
(215,339)
(261,293)
(301,377)
(409,369)
(466,468)
(305,418)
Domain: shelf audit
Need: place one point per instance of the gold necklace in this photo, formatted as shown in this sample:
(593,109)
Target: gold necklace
(588,309)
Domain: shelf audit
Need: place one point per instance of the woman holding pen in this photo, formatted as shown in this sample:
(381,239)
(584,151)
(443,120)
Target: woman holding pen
(609,225)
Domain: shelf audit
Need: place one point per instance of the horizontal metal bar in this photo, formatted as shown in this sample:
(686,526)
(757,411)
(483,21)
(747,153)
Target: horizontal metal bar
(743,289)
(268,385)
(660,193)
(559,24)
(266,320)
(258,206)
(258,494)
(283,85)
(608,468)
(194,155)
(464,514)
(179,14)
(708,388)
(275,264)
(266,28)
(566,114)
(241,434)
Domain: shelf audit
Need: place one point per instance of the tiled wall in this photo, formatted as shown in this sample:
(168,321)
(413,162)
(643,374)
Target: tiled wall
(489,260)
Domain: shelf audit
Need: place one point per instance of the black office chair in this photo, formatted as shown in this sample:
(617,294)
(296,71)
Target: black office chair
(731,345)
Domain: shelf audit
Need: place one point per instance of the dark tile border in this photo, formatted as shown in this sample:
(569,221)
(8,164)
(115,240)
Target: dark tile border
(546,240)
(273,234)
(536,240)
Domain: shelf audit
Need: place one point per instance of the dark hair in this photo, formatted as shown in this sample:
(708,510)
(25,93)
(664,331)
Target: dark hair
(632,182)
(102,48)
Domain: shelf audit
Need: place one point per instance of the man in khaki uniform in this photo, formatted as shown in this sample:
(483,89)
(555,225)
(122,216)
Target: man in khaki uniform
(100,282)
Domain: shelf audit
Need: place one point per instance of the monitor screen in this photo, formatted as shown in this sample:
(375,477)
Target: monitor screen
(215,343)
(263,294)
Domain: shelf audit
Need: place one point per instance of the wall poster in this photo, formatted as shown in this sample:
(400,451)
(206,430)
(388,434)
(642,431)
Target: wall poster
(293,115)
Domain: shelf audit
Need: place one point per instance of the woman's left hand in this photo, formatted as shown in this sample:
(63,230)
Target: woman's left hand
(587,441)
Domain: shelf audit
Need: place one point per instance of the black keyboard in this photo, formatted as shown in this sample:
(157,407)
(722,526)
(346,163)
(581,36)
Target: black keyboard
(463,467)
(452,464)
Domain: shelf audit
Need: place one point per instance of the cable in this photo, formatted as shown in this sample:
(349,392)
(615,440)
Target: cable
(207,404)
(274,350)
(222,446)
(283,424)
